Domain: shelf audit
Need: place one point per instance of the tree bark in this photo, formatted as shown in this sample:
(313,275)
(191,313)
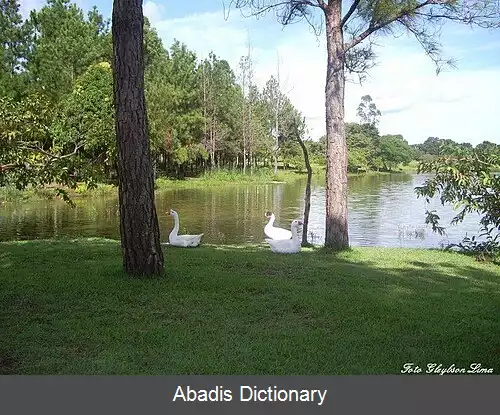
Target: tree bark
(336,231)
(307,197)
(140,235)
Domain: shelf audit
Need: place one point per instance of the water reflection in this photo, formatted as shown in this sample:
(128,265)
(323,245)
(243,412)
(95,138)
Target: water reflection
(383,211)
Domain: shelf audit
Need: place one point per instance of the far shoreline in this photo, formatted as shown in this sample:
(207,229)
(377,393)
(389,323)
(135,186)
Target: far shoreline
(9,194)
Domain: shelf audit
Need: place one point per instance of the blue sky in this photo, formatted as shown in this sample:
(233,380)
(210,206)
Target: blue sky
(461,104)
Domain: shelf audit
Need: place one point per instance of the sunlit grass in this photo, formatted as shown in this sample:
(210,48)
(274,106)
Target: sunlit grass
(231,177)
(67,308)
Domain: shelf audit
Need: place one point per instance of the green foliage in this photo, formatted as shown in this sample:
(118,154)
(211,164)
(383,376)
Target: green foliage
(86,116)
(292,127)
(28,152)
(488,147)
(221,103)
(316,150)
(468,181)
(14,45)
(174,114)
(394,149)
(65,45)
(485,250)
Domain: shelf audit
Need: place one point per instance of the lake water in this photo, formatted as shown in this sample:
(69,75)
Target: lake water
(383,211)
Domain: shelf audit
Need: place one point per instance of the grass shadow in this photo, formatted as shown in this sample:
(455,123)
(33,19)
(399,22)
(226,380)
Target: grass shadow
(69,309)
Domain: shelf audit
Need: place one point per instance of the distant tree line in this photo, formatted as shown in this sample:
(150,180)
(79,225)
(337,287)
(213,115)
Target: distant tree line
(370,151)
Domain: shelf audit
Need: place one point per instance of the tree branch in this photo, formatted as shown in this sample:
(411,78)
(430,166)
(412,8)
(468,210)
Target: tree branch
(377,26)
(52,156)
(469,19)
(5,167)
(289,9)
(350,12)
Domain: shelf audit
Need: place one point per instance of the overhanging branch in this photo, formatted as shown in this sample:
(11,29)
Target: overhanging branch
(51,156)
(374,26)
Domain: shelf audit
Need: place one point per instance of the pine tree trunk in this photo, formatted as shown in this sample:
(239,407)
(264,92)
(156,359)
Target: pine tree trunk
(336,235)
(140,235)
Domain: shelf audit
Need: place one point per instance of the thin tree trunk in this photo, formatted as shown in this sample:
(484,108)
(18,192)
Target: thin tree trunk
(307,197)
(213,132)
(140,235)
(336,235)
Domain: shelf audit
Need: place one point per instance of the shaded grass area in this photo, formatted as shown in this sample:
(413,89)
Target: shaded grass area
(67,308)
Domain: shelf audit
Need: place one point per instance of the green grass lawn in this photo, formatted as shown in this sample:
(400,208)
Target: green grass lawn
(67,308)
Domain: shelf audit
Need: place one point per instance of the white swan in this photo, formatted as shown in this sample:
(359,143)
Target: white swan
(273,232)
(184,241)
(289,246)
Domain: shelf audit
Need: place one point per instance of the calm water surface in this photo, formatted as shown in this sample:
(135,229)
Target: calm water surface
(383,211)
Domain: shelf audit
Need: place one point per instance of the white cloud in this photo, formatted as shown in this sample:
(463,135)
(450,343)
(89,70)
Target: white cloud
(153,11)
(459,105)
(205,32)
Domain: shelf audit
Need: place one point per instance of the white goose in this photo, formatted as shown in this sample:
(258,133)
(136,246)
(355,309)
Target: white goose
(184,241)
(288,246)
(275,233)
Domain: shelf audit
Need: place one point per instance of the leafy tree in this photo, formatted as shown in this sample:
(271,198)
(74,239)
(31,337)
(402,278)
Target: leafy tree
(316,150)
(65,45)
(362,140)
(14,44)
(345,35)
(28,155)
(275,101)
(173,103)
(218,92)
(431,146)
(140,234)
(263,144)
(291,125)
(394,149)
(467,180)
(87,115)
(488,147)
(367,111)
(435,146)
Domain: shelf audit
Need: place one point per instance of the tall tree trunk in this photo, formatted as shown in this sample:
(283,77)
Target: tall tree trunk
(213,132)
(307,196)
(140,235)
(336,236)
